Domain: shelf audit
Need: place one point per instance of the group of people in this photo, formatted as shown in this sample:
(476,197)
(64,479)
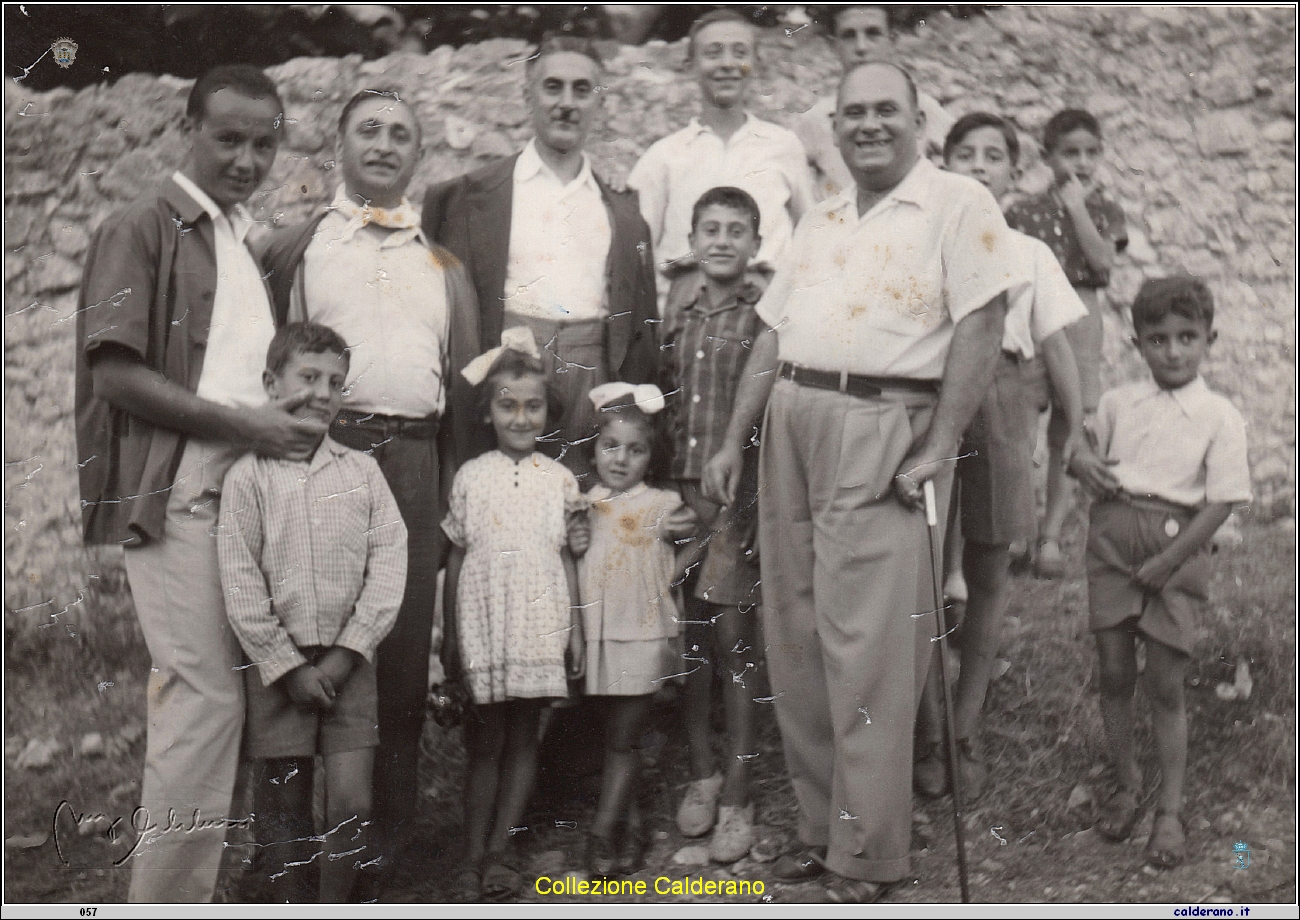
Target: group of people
(624,421)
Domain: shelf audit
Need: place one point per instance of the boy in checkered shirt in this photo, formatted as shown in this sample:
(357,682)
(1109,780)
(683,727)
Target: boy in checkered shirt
(313,565)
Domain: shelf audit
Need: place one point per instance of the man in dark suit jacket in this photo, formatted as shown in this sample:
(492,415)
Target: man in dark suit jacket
(551,246)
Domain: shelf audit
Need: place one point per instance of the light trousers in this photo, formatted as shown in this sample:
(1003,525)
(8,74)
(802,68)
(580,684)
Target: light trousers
(848,615)
(195,690)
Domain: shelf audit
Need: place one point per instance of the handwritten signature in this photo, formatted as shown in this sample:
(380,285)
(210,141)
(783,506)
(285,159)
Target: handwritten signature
(140,823)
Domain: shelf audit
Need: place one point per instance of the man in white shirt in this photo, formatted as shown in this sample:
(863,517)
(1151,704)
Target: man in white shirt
(859,33)
(725,145)
(173,327)
(550,246)
(885,323)
(409,315)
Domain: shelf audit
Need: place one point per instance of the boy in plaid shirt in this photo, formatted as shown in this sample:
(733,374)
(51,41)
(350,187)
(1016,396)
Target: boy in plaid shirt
(709,326)
(313,564)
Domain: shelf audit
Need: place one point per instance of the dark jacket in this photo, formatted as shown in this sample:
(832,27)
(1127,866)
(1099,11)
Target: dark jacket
(470,215)
(459,438)
(148,286)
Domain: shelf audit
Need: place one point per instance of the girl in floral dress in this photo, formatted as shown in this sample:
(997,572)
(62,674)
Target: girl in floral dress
(512,615)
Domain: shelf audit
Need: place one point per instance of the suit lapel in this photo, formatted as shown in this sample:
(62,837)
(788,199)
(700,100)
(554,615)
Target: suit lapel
(489,234)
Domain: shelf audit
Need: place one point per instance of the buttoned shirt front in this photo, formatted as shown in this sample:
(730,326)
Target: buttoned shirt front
(385,293)
(1045,305)
(1186,445)
(761,158)
(816,130)
(706,346)
(559,243)
(242,326)
(1044,217)
(880,294)
(312,553)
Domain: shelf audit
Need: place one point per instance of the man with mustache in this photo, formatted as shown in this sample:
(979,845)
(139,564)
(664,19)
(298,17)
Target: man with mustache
(551,246)
(408,312)
(884,324)
(172,325)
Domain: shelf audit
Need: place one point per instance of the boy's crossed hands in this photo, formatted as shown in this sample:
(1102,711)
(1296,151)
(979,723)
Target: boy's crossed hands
(315,686)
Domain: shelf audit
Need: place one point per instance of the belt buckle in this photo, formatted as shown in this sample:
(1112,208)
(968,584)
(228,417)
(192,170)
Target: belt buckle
(844,381)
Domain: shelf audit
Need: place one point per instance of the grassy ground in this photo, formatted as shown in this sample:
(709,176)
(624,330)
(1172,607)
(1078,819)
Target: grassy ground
(1026,840)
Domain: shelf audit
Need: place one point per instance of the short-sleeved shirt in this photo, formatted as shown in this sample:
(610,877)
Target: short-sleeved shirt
(1044,306)
(816,129)
(1186,446)
(1045,218)
(880,294)
(149,286)
(761,158)
(706,346)
(313,553)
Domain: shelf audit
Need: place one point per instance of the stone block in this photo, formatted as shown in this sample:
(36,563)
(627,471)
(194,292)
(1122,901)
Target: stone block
(1225,133)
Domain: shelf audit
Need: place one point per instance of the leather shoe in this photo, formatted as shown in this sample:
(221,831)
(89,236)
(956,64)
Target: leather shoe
(800,865)
(930,774)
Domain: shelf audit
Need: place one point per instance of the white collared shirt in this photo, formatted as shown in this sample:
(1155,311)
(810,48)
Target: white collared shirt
(1047,304)
(559,243)
(761,158)
(815,128)
(880,294)
(242,326)
(1186,445)
(389,303)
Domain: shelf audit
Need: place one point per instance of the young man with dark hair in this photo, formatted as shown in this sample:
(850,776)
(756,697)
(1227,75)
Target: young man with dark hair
(173,322)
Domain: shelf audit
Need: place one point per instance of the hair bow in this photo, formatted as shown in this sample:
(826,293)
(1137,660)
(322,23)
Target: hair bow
(517,338)
(645,396)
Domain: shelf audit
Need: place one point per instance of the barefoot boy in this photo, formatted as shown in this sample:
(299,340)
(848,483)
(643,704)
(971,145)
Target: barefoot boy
(996,490)
(313,563)
(709,328)
(1085,229)
(1172,465)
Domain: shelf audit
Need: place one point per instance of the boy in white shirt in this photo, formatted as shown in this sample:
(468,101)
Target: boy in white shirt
(725,146)
(1171,465)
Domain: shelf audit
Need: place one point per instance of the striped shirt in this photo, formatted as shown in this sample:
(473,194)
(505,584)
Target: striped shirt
(707,346)
(312,554)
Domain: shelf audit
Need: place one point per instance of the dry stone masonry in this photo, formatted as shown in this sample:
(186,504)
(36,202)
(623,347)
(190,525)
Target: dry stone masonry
(1198,106)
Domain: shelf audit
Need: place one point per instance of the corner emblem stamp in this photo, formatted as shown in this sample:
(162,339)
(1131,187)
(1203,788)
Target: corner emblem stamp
(64,51)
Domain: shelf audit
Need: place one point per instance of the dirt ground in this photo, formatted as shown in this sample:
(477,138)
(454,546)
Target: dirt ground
(1028,838)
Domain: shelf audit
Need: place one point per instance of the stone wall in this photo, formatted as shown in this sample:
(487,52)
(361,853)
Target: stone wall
(1198,107)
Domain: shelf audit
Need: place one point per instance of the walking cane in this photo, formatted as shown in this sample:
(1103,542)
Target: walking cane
(932,521)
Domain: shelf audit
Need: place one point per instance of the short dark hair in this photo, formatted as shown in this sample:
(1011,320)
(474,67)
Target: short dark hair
(560,43)
(244,79)
(731,197)
(364,95)
(880,62)
(973,122)
(720,15)
(839,9)
(303,339)
(1185,295)
(512,364)
(1065,121)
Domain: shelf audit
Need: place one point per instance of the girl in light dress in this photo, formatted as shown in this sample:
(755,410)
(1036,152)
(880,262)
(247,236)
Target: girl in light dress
(511,604)
(631,622)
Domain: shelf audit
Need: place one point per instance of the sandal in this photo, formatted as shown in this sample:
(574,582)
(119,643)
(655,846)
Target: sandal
(1050,563)
(469,885)
(1161,853)
(1118,816)
(500,879)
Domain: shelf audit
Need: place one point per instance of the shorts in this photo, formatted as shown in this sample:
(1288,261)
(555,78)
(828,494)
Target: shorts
(995,470)
(1085,337)
(277,727)
(1122,536)
(729,573)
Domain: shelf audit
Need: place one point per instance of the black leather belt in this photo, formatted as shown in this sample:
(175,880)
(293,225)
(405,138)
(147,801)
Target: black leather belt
(390,426)
(859,385)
